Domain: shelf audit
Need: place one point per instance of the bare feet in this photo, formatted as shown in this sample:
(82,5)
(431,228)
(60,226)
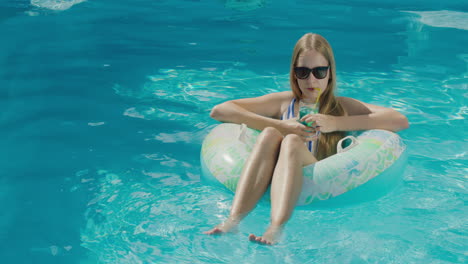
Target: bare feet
(228,226)
(270,237)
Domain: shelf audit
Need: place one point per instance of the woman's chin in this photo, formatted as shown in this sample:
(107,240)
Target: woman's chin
(309,96)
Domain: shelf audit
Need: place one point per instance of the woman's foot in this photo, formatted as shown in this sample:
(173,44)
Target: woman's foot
(228,226)
(270,237)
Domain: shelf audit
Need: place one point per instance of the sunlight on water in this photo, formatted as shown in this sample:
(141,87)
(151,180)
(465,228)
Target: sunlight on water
(57,5)
(141,219)
(194,87)
(187,96)
(444,18)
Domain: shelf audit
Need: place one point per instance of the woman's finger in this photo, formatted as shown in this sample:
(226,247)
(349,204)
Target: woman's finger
(304,134)
(304,117)
(307,117)
(310,120)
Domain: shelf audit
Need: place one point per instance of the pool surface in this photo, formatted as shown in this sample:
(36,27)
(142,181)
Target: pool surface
(105,105)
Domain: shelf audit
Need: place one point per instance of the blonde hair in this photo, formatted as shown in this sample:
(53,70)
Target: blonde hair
(328,104)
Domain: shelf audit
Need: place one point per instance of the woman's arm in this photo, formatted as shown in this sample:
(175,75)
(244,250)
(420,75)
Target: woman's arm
(258,113)
(363,116)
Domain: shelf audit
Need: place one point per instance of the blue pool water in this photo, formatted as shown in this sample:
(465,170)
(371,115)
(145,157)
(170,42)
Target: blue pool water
(105,105)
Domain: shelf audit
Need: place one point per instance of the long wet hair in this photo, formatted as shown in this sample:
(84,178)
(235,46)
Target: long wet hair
(328,104)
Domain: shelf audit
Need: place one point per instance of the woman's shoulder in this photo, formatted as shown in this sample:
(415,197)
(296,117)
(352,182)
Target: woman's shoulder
(277,98)
(286,95)
(353,106)
(344,101)
(271,104)
(284,99)
(281,100)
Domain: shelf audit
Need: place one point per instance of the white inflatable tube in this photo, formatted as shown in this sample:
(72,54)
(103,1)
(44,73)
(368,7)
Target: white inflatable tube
(373,161)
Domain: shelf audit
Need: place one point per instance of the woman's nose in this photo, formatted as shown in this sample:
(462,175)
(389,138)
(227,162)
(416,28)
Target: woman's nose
(311,78)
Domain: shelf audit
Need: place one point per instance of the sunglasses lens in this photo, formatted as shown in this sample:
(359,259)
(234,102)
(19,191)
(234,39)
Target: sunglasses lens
(320,72)
(301,72)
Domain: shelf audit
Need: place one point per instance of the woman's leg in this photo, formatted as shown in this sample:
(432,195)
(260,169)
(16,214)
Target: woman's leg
(255,178)
(286,185)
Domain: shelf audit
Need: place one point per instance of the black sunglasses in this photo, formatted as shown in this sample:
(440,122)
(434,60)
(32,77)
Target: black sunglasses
(304,72)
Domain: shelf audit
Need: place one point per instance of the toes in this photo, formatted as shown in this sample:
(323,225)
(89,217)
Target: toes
(259,240)
(208,232)
(213,231)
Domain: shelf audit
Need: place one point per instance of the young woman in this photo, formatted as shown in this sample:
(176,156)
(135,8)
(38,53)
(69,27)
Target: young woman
(281,150)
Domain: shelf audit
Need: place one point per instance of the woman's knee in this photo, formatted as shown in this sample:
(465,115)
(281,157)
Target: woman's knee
(294,146)
(271,135)
(291,143)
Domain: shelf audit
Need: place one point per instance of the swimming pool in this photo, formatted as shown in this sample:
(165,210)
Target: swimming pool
(105,105)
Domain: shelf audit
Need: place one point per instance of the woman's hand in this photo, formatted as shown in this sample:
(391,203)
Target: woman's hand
(292,126)
(322,123)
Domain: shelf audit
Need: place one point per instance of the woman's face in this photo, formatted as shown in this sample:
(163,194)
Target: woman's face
(312,86)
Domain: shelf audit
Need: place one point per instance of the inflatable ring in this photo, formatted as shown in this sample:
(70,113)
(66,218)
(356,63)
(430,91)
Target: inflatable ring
(373,161)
